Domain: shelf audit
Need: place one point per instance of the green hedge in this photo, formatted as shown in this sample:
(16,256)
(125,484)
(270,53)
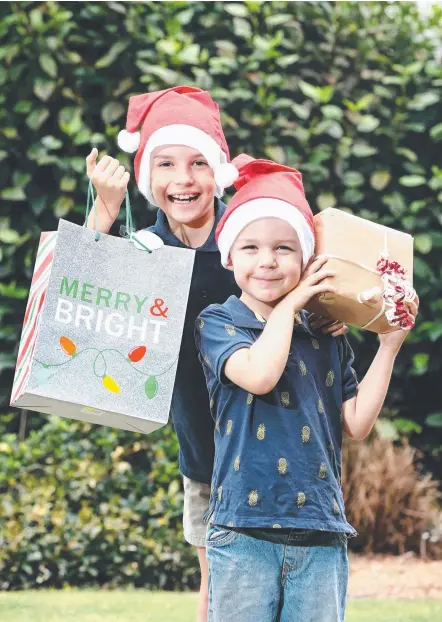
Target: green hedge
(348,92)
(83,505)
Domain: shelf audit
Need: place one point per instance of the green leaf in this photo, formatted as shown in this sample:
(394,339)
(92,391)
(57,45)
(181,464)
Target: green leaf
(13,194)
(421,269)
(238,9)
(412,180)
(48,64)
(112,111)
(335,130)
(386,429)
(9,236)
(367,123)
(70,120)
(23,106)
(276,153)
(396,203)
(11,290)
(361,104)
(423,100)
(242,27)
(168,76)
(20,179)
(63,206)
(420,363)
(112,55)
(319,94)
(436,132)
(436,237)
(184,17)
(287,61)
(68,184)
(363,150)
(190,54)
(151,387)
(423,243)
(7,361)
(352,196)
(380,179)
(353,179)
(326,199)
(407,426)
(434,420)
(168,46)
(10,132)
(410,155)
(36,119)
(44,88)
(118,7)
(332,112)
(50,142)
(300,111)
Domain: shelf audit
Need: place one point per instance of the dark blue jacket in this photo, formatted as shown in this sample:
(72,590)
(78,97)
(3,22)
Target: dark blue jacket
(211,283)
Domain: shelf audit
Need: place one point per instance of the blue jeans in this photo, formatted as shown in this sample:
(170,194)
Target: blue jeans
(253,580)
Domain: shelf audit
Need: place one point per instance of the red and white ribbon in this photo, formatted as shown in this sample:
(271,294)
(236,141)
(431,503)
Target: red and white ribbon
(395,294)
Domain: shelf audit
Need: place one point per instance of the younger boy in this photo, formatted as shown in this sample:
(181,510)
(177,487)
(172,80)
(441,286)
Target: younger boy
(281,395)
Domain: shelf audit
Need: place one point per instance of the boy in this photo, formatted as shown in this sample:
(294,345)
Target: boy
(281,395)
(181,153)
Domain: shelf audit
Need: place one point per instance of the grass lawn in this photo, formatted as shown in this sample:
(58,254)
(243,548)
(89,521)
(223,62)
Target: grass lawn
(141,606)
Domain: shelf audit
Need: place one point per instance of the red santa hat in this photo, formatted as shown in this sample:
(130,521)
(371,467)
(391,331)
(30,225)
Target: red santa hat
(182,115)
(266,190)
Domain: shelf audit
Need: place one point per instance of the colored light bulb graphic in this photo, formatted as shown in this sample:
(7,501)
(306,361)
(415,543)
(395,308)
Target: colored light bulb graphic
(111,384)
(68,346)
(151,387)
(136,354)
(100,366)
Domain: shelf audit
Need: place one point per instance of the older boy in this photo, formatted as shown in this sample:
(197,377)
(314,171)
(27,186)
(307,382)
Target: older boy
(181,166)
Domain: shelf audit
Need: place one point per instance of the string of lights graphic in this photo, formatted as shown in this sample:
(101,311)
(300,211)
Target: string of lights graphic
(135,355)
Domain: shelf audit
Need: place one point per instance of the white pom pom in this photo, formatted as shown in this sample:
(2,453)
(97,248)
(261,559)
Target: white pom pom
(225,175)
(128,141)
(144,238)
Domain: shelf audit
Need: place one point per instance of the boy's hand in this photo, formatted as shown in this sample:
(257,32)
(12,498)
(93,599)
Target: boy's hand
(394,340)
(311,284)
(110,180)
(328,326)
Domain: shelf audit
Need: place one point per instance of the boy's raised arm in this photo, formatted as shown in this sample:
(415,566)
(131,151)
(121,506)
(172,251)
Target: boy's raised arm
(359,413)
(258,369)
(110,180)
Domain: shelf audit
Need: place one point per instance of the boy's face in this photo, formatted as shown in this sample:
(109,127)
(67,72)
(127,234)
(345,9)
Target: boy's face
(182,184)
(266,259)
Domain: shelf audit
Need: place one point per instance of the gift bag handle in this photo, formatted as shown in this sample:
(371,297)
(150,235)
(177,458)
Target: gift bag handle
(90,204)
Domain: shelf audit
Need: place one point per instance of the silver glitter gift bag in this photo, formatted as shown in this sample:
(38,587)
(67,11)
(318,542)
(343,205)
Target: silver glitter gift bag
(103,328)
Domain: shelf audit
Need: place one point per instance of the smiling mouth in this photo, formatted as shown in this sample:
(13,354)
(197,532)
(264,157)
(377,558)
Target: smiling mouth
(183,199)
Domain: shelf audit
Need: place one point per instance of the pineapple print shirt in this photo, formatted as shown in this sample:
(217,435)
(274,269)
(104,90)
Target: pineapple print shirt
(277,456)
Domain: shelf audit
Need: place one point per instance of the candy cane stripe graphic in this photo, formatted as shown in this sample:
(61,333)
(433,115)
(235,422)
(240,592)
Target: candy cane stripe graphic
(40,279)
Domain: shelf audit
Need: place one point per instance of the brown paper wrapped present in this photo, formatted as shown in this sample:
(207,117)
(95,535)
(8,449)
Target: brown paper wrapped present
(369,294)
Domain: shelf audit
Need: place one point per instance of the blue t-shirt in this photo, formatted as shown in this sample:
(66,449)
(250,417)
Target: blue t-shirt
(211,283)
(277,456)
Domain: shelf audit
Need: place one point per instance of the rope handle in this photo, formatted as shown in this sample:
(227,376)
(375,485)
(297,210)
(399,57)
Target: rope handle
(91,204)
